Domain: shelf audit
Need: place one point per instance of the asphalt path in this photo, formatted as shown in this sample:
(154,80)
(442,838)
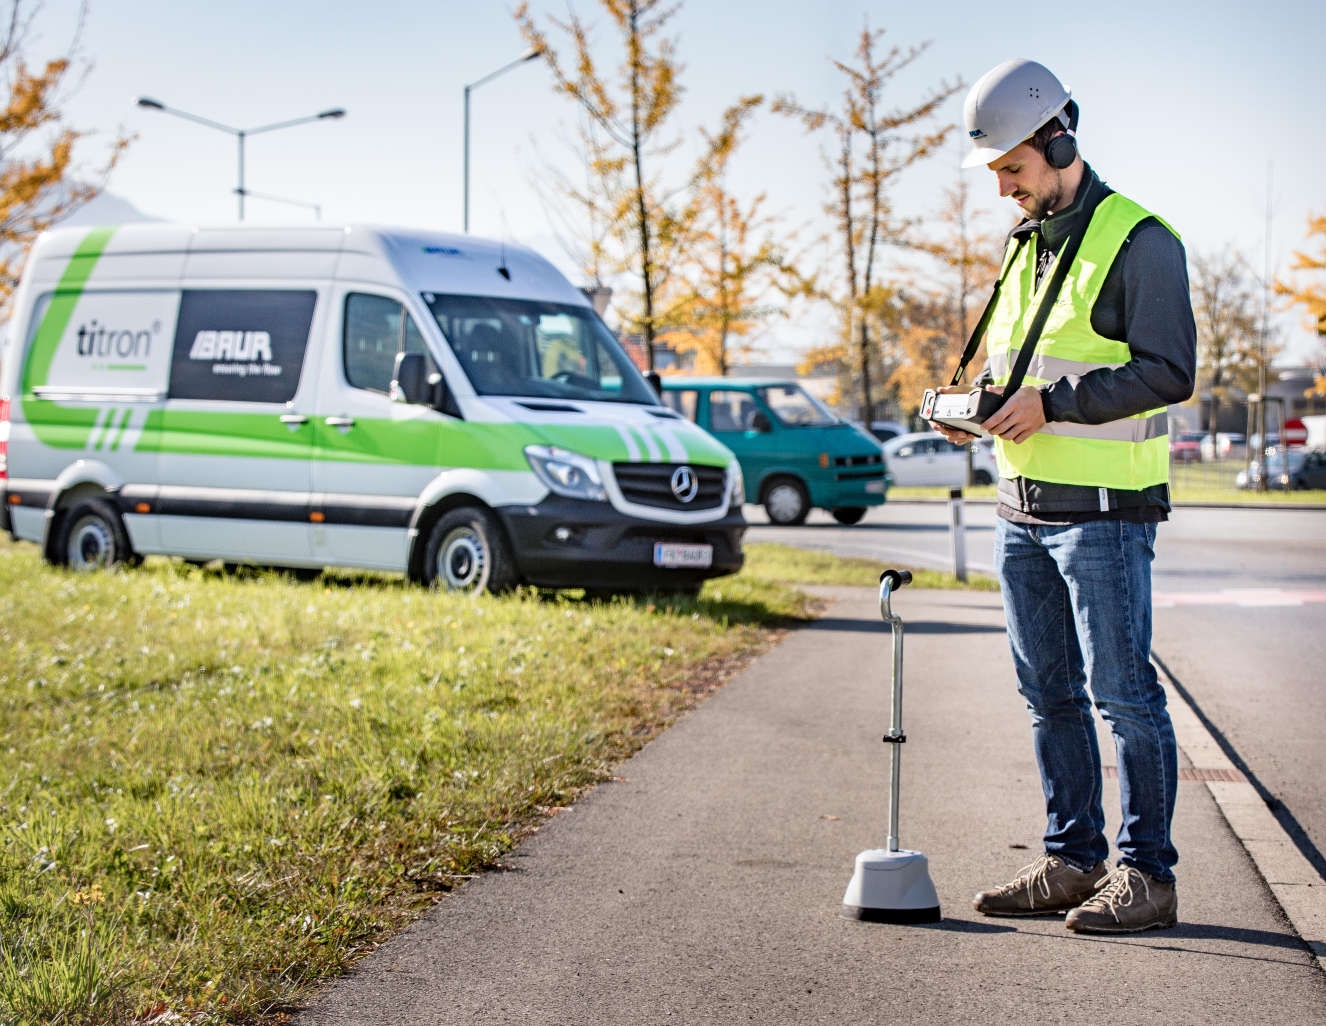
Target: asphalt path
(1240,625)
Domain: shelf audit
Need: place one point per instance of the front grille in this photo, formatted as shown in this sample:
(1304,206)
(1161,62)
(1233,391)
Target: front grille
(859,468)
(873,459)
(650,484)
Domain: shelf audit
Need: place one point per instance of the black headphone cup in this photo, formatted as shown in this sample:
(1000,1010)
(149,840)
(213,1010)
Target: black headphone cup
(1061,151)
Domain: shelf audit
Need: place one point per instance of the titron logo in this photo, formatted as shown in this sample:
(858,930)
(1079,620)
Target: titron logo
(232,345)
(100,342)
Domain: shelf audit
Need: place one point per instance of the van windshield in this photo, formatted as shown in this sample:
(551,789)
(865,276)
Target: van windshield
(531,348)
(795,407)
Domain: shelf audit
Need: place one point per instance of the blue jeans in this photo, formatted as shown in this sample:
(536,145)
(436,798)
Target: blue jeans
(1078,605)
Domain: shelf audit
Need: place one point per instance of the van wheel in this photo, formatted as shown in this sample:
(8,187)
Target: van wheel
(92,537)
(982,477)
(849,514)
(786,502)
(467,552)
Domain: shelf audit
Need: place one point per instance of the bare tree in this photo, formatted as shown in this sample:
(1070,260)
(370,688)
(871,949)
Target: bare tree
(872,146)
(632,115)
(1230,354)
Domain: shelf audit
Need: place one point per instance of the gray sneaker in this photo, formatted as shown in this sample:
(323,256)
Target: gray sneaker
(1047,885)
(1129,901)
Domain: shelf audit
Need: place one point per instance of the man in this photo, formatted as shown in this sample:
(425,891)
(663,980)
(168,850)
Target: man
(1084,461)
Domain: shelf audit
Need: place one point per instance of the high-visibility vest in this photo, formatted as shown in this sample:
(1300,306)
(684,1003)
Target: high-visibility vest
(1131,453)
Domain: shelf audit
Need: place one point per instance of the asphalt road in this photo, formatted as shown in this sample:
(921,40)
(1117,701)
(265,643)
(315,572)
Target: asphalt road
(1240,625)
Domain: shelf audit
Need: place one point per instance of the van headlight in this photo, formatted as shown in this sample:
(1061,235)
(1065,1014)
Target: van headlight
(566,473)
(736,487)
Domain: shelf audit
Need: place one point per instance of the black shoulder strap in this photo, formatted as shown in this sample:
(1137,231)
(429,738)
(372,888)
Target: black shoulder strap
(1067,253)
(1064,260)
(978,332)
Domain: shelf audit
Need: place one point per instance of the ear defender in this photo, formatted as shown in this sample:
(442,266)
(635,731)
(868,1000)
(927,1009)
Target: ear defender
(1061,151)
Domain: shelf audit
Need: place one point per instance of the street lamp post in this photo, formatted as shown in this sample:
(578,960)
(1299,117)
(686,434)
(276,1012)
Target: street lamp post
(528,55)
(239,133)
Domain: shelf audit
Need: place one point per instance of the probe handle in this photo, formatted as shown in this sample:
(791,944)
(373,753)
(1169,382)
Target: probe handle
(896,578)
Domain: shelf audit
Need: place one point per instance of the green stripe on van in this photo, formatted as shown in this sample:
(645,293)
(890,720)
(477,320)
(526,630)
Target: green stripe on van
(61,427)
(423,442)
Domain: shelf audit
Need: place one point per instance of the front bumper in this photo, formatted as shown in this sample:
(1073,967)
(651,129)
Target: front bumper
(567,543)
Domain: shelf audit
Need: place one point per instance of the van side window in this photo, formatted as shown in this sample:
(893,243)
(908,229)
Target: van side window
(239,345)
(731,411)
(375,329)
(684,401)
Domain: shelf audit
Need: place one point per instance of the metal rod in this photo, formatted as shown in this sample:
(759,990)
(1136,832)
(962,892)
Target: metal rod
(528,55)
(895,728)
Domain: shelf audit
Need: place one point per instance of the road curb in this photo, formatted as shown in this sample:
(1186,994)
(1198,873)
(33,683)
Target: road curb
(1296,886)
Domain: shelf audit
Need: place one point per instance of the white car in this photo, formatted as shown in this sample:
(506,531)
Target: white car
(928,458)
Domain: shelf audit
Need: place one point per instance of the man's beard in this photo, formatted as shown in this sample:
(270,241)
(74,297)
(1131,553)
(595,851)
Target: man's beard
(1048,204)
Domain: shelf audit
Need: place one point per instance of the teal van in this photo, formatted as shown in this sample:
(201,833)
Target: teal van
(794,453)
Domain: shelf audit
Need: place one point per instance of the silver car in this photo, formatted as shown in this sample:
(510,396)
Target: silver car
(928,458)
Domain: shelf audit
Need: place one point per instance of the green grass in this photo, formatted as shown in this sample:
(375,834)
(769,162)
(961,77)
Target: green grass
(217,790)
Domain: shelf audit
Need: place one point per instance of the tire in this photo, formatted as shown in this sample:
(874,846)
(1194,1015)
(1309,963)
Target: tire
(982,477)
(786,502)
(467,552)
(92,537)
(849,514)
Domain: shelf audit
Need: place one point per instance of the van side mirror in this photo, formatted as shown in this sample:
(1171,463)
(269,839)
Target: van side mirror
(759,421)
(409,382)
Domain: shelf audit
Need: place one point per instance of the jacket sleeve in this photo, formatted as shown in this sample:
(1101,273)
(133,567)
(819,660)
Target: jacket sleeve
(1144,302)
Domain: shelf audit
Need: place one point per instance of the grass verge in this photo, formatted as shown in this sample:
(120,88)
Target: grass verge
(217,790)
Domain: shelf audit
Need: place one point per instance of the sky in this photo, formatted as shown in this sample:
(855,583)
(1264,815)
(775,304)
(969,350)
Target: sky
(1207,112)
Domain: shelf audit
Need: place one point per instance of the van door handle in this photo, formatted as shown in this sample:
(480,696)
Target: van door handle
(293,419)
(340,422)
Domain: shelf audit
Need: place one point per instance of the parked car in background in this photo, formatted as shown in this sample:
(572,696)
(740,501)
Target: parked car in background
(1226,445)
(1293,468)
(1256,447)
(928,458)
(885,430)
(1186,446)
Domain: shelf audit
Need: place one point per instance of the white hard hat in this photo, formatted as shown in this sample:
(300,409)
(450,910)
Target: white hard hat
(1006,105)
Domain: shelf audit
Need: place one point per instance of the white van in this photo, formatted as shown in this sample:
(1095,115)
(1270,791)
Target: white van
(440,406)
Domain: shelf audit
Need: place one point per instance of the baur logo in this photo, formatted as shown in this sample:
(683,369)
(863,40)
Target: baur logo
(231,345)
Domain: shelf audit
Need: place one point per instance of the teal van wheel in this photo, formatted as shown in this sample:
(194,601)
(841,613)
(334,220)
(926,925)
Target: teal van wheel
(849,514)
(466,552)
(786,501)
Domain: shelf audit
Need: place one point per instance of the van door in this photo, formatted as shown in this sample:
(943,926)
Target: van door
(236,438)
(730,416)
(372,456)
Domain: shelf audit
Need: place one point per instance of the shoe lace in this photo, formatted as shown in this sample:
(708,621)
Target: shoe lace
(1033,878)
(1117,891)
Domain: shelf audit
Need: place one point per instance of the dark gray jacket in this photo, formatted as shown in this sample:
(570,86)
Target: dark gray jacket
(1144,301)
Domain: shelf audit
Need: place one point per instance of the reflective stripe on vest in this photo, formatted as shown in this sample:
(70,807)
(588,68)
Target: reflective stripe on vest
(1130,453)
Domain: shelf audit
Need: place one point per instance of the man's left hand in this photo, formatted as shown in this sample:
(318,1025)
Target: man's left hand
(1021,416)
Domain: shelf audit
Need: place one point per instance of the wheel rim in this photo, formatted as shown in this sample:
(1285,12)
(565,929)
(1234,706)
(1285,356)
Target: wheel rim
(462,560)
(784,503)
(90,544)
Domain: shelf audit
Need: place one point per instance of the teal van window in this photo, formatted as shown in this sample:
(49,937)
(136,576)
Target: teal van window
(732,410)
(795,407)
(684,401)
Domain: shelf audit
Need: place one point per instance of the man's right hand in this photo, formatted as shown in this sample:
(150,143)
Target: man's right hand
(955,435)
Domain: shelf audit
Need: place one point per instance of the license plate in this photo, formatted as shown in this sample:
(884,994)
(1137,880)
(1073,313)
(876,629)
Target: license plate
(668,554)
